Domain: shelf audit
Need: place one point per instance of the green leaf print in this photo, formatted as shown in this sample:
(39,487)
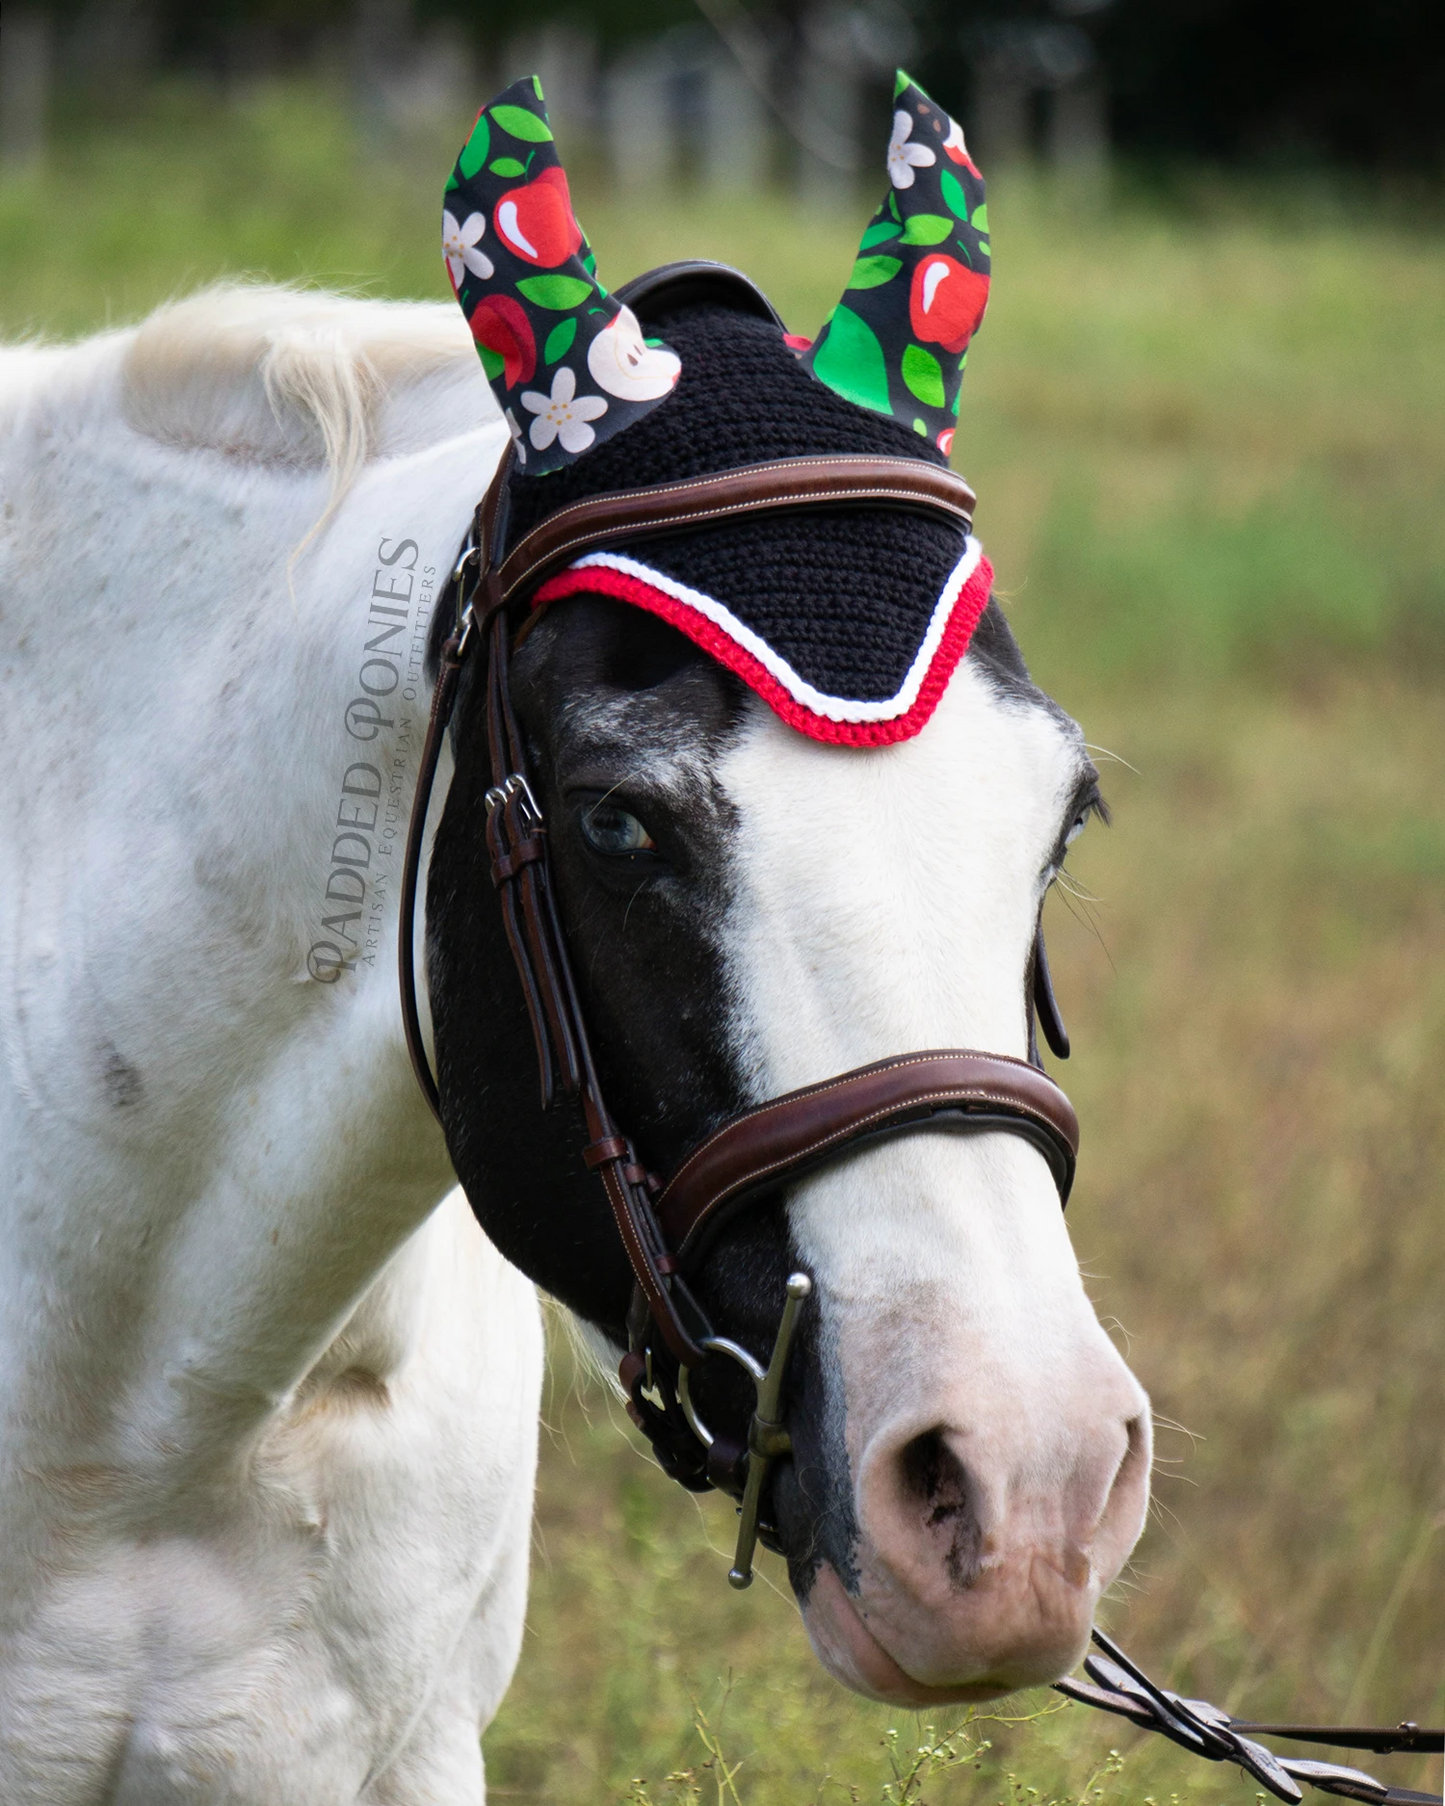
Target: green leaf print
(559,340)
(474,152)
(953,194)
(507,166)
(492,362)
(923,376)
(878,235)
(873,272)
(849,360)
(927,229)
(980,218)
(522,124)
(558,293)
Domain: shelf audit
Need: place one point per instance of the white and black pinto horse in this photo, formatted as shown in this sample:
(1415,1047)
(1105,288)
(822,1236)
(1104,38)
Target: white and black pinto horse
(269,1393)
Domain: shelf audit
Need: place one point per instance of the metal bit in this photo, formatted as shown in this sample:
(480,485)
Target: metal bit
(767,1438)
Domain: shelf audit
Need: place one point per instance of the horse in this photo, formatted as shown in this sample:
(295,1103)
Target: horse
(271,1377)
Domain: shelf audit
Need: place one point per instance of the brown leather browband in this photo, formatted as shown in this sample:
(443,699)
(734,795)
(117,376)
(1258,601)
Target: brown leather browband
(665,1228)
(752,489)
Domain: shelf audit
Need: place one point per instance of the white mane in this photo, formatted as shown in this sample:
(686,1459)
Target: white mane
(282,376)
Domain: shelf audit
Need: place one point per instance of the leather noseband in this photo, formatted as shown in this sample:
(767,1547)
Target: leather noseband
(778,1142)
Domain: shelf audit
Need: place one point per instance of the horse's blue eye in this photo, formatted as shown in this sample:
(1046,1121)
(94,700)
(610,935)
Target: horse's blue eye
(609,829)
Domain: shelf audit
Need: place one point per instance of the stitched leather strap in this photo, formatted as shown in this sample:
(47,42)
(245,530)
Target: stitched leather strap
(755,488)
(790,1135)
(443,697)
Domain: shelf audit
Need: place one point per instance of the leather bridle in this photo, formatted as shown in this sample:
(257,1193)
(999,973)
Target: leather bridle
(666,1225)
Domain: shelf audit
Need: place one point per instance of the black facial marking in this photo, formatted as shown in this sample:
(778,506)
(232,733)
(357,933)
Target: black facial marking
(615,703)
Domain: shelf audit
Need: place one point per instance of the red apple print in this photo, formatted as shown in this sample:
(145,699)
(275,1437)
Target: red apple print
(955,147)
(500,324)
(796,342)
(946,302)
(945,440)
(536,220)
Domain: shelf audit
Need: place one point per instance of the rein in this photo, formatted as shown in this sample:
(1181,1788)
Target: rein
(666,1226)
(1120,1686)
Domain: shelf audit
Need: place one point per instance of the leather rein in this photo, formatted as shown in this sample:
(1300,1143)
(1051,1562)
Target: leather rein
(665,1225)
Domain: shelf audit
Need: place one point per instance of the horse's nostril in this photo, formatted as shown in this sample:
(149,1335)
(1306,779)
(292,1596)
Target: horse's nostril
(933,1479)
(1131,1481)
(935,1476)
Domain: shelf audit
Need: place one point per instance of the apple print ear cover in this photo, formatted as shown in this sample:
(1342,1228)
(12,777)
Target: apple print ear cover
(849,622)
(569,366)
(898,340)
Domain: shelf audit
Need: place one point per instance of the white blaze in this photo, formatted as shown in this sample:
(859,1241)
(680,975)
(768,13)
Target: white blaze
(886,901)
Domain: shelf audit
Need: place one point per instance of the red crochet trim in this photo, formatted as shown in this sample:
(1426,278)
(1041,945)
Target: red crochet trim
(968,607)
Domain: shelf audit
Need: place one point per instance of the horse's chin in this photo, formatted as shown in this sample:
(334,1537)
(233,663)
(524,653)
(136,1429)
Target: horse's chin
(851,1653)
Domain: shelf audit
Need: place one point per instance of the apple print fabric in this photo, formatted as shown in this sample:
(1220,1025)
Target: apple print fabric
(569,365)
(898,340)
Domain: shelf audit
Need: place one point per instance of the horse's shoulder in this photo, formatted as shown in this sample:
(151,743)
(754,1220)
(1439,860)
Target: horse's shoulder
(300,379)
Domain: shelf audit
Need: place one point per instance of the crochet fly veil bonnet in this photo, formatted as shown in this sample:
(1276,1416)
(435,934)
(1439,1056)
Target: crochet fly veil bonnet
(848,624)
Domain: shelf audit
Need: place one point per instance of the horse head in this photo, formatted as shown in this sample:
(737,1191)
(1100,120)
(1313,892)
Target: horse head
(759,888)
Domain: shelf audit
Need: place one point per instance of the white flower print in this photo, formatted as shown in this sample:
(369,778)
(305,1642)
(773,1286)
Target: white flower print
(459,247)
(516,432)
(903,157)
(563,414)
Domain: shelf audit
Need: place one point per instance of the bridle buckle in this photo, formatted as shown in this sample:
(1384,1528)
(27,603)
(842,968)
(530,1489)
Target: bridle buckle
(513,785)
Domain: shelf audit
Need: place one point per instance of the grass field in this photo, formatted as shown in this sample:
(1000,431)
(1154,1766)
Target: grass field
(1209,444)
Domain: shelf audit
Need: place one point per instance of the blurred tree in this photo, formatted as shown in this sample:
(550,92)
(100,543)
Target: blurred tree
(26,53)
(1238,80)
(1281,79)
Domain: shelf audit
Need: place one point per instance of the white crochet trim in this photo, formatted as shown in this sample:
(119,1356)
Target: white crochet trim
(831,708)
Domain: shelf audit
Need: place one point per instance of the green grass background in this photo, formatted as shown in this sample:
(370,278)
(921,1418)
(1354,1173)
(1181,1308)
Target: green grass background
(1209,443)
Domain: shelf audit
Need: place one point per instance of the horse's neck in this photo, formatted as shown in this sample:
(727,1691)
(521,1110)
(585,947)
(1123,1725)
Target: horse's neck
(213,1139)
